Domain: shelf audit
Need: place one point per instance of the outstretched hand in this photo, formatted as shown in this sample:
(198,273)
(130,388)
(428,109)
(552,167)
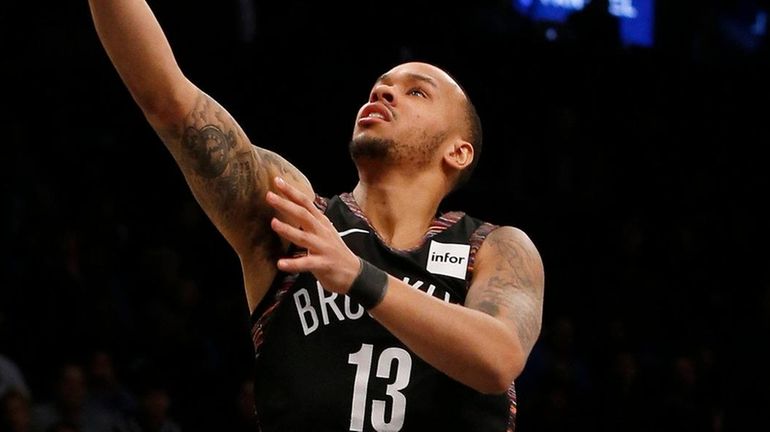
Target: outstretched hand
(300,222)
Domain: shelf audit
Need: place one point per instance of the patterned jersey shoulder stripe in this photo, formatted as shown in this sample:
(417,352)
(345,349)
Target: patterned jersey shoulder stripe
(321,202)
(476,240)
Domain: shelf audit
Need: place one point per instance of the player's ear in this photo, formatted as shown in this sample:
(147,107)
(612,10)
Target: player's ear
(459,154)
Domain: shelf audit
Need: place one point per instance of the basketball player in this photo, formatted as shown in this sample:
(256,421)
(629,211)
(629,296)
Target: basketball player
(369,311)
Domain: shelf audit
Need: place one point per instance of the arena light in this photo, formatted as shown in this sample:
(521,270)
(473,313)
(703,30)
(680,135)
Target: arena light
(636,17)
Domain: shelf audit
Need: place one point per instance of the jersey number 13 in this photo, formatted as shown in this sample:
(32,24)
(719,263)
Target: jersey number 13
(362,359)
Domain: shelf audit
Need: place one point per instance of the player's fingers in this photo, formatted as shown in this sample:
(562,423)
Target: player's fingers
(293,235)
(291,212)
(297,196)
(305,263)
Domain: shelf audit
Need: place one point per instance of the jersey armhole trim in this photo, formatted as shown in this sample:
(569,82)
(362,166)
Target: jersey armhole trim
(321,203)
(475,241)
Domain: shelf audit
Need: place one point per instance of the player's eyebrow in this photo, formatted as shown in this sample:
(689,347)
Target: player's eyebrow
(410,75)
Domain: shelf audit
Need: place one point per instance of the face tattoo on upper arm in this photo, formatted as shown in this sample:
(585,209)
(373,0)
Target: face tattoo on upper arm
(229,176)
(223,161)
(226,175)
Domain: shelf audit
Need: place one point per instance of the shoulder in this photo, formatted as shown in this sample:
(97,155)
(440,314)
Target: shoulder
(506,233)
(508,247)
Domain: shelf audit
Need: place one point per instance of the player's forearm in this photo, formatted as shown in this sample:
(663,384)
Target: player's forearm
(467,345)
(140,52)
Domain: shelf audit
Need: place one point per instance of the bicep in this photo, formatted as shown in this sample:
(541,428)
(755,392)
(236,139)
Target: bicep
(508,283)
(228,176)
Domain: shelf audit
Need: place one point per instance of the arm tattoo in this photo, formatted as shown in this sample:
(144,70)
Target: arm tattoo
(280,165)
(495,295)
(227,174)
(222,162)
(209,149)
(514,291)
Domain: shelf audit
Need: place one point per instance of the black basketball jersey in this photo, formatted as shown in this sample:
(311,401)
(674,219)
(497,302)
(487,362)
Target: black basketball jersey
(323,364)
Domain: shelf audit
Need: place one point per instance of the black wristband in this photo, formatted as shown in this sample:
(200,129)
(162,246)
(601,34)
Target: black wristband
(369,286)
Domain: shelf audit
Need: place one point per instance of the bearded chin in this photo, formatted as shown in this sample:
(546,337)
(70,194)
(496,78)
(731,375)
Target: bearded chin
(370,147)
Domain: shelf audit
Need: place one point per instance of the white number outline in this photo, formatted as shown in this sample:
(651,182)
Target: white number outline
(362,359)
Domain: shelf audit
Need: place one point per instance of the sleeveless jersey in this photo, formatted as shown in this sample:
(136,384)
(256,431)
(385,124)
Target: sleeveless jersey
(323,364)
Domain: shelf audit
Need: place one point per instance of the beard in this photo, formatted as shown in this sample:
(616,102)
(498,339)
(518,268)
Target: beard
(370,148)
(388,150)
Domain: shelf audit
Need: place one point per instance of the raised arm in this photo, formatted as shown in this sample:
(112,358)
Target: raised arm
(226,173)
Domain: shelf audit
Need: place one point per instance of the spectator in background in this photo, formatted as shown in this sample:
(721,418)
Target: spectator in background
(153,411)
(562,376)
(15,412)
(242,417)
(105,389)
(11,377)
(623,402)
(63,426)
(70,405)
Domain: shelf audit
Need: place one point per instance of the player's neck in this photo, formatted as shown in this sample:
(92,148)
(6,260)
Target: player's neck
(400,210)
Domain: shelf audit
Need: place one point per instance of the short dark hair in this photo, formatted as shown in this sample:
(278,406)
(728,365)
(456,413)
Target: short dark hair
(474,137)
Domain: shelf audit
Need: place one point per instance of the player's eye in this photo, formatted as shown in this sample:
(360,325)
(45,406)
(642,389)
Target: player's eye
(417,92)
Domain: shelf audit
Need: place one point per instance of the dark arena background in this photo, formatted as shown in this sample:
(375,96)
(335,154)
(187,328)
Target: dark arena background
(630,146)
